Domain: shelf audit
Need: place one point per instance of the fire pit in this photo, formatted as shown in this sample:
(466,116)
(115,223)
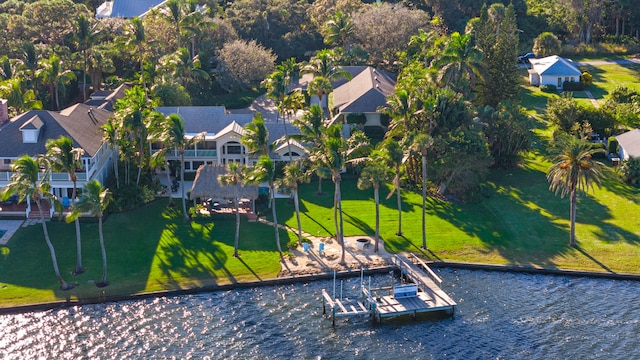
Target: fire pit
(362,243)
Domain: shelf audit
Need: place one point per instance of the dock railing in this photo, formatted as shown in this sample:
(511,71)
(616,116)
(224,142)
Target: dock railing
(426,267)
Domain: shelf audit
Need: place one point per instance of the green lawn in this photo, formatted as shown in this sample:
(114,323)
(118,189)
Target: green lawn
(148,249)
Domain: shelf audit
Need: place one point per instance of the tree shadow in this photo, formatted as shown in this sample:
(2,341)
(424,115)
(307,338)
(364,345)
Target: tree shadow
(586,254)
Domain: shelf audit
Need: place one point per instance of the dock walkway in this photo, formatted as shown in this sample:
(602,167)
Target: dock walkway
(422,294)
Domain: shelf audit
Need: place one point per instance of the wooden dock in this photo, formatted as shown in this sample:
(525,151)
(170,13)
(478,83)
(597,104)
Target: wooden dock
(420,294)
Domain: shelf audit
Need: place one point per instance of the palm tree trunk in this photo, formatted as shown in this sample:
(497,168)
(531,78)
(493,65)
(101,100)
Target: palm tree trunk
(275,217)
(63,284)
(103,282)
(184,201)
(140,162)
(168,171)
(237,237)
(296,204)
(572,220)
(319,185)
(376,197)
(342,261)
(399,198)
(424,201)
(79,269)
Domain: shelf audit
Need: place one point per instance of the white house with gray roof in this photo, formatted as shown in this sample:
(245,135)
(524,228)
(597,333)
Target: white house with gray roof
(629,144)
(553,70)
(223,131)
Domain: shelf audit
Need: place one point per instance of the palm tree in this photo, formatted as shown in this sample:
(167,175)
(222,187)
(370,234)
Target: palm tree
(265,171)
(64,157)
(293,176)
(393,158)
(174,135)
(573,170)
(324,64)
(185,67)
(338,30)
(94,200)
(256,136)
(320,86)
(18,98)
(333,156)
(99,61)
(137,40)
(291,104)
(29,183)
(374,175)
(54,78)
(312,130)
(86,36)
(460,63)
(421,144)
(236,177)
(110,135)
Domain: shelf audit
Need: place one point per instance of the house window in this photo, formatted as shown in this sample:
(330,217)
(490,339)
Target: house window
(559,82)
(6,161)
(234,149)
(566,78)
(572,79)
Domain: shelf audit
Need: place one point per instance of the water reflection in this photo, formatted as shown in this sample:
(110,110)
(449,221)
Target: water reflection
(500,315)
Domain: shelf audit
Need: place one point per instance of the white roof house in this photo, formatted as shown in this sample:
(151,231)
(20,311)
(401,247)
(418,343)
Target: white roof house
(553,70)
(629,144)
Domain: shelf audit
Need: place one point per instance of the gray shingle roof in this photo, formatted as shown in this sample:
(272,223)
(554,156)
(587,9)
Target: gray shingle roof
(630,141)
(74,122)
(213,119)
(365,92)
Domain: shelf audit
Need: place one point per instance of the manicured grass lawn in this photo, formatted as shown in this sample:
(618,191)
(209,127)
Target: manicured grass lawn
(608,77)
(148,249)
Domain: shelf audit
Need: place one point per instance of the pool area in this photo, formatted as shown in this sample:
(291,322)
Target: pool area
(7,229)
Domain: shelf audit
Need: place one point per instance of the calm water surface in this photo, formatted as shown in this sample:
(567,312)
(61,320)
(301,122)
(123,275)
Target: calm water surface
(499,316)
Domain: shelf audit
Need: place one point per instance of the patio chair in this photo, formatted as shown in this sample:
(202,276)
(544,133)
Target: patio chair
(65,202)
(321,248)
(305,247)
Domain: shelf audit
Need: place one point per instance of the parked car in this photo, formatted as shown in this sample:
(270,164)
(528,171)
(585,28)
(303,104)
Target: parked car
(524,59)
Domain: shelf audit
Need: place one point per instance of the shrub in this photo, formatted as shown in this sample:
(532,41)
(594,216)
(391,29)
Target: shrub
(572,86)
(292,244)
(549,88)
(631,170)
(384,120)
(586,79)
(374,132)
(613,145)
(356,118)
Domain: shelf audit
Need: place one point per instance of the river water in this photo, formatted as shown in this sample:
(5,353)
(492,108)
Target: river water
(499,316)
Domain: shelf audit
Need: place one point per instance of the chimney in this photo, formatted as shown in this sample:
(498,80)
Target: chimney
(4,111)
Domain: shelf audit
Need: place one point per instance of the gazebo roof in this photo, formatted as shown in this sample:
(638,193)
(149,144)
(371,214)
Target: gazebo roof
(206,185)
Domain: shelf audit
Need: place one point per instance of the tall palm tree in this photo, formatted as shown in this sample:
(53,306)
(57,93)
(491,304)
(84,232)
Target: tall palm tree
(339,30)
(64,157)
(137,41)
(312,130)
(421,144)
(110,135)
(30,184)
(17,97)
(460,63)
(333,156)
(174,135)
(573,170)
(374,175)
(54,78)
(393,158)
(94,200)
(320,86)
(265,171)
(185,67)
(324,64)
(99,61)
(86,35)
(256,136)
(236,177)
(294,175)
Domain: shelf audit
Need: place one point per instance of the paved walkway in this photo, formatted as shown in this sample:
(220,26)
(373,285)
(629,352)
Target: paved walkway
(10,227)
(593,100)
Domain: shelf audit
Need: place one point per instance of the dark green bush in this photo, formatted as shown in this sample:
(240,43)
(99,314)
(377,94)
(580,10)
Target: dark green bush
(613,145)
(356,118)
(573,86)
(374,132)
(549,88)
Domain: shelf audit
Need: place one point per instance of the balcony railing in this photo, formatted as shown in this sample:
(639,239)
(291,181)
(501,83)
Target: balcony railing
(6,176)
(208,153)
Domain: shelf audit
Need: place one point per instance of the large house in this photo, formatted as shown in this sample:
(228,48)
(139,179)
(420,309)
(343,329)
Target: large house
(222,133)
(361,96)
(553,70)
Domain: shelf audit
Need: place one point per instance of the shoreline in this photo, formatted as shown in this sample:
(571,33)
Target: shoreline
(286,280)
